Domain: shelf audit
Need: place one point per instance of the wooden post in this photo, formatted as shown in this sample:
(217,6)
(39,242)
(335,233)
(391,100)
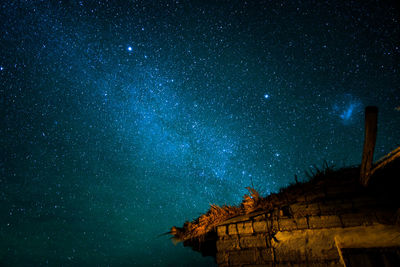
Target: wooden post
(371,127)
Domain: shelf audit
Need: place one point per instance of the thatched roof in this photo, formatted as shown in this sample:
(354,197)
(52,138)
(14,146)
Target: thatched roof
(384,173)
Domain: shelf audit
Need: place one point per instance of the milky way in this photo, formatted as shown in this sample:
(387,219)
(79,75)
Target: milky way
(122,119)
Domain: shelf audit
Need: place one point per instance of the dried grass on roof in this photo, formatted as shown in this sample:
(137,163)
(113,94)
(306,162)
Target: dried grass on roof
(216,215)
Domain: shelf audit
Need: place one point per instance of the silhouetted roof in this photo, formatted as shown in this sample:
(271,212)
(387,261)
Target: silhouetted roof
(323,184)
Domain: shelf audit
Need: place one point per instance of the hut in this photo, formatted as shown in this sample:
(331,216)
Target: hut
(346,217)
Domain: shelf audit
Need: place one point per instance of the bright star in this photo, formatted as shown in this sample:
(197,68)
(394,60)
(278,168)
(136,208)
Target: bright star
(266,96)
(129,48)
(1,68)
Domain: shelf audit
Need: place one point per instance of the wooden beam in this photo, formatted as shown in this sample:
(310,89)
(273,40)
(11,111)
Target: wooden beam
(371,127)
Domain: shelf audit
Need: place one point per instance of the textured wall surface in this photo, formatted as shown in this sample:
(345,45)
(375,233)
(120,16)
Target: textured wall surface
(308,232)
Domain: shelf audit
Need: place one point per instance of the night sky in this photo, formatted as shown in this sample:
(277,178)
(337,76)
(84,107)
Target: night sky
(121,119)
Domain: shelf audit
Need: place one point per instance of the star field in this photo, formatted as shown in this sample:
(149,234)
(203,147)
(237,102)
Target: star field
(121,119)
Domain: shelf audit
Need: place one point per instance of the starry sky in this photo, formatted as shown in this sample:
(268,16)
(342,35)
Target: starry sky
(120,119)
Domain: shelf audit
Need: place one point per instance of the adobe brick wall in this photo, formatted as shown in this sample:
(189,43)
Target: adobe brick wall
(301,233)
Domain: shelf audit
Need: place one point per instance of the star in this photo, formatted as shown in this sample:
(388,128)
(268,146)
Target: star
(266,96)
(129,48)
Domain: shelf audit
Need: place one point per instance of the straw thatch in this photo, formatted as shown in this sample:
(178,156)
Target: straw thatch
(216,215)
